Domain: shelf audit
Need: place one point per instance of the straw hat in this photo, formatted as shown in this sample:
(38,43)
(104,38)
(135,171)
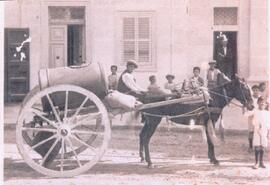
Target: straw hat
(132,62)
(170,76)
(212,62)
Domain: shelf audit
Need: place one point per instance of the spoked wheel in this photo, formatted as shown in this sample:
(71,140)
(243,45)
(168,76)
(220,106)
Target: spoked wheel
(62,131)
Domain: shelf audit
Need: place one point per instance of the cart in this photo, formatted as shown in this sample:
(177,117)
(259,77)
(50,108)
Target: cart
(63,128)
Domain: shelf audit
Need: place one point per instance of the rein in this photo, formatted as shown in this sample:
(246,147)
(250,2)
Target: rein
(187,114)
(225,96)
(220,85)
(194,112)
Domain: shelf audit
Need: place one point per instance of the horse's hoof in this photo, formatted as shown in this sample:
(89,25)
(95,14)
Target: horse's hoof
(216,163)
(150,166)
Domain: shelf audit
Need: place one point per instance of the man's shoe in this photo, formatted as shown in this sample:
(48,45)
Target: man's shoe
(262,165)
(256,166)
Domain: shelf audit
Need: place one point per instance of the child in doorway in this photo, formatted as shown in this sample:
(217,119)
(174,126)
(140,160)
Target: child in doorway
(261,125)
(255,96)
(113,78)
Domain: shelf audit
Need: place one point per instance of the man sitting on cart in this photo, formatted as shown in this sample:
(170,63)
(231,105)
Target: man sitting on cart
(127,82)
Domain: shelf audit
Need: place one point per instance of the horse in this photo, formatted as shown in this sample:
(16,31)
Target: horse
(201,113)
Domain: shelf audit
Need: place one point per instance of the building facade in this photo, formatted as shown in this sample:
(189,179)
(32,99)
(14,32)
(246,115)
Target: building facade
(164,36)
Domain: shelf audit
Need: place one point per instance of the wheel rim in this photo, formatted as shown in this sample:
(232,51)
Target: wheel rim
(69,141)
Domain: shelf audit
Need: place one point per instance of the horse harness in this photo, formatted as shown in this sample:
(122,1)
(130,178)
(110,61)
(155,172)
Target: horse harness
(202,109)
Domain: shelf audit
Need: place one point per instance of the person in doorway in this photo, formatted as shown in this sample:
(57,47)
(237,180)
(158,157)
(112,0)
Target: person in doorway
(255,97)
(127,83)
(113,78)
(261,125)
(224,56)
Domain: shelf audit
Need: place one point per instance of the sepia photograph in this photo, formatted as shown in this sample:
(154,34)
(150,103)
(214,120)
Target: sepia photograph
(145,92)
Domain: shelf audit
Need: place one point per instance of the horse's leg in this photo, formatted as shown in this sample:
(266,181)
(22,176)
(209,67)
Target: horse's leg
(142,141)
(221,128)
(153,122)
(211,148)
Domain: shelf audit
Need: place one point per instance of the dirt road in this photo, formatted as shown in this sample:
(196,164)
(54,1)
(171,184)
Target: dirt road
(180,157)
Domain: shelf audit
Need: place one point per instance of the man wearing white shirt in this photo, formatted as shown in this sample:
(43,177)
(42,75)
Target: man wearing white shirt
(127,82)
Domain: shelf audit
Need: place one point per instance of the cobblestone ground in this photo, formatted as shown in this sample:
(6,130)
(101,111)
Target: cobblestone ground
(180,157)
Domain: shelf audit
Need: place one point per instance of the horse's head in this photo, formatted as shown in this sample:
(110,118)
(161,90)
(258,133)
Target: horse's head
(242,92)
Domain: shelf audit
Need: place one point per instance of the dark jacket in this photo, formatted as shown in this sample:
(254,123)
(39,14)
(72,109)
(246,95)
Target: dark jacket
(122,86)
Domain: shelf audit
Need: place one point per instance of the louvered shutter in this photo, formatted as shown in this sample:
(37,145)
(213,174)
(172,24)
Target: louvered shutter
(144,41)
(136,39)
(129,40)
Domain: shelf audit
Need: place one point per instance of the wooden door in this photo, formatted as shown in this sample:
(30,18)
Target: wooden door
(16,63)
(58,46)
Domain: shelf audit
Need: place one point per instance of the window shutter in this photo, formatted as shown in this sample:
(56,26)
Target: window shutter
(144,40)
(136,39)
(128,42)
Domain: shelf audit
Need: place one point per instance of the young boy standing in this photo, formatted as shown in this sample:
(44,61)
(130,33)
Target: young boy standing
(255,96)
(263,88)
(261,125)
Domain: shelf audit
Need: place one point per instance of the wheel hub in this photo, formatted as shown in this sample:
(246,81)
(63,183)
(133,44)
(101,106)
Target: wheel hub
(64,130)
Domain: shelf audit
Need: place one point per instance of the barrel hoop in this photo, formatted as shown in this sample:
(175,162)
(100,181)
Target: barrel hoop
(43,78)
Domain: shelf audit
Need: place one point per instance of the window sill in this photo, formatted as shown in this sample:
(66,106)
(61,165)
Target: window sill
(140,69)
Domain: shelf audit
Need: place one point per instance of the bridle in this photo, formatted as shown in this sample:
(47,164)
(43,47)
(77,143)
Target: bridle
(228,98)
(242,94)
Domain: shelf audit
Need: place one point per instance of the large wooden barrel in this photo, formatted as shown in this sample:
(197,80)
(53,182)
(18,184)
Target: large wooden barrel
(90,76)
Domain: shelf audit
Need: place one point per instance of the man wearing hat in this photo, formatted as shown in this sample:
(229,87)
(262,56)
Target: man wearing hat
(170,85)
(127,83)
(212,75)
(225,57)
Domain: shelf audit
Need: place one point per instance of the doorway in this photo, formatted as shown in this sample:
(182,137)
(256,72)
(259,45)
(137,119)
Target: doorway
(67,36)
(75,44)
(225,52)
